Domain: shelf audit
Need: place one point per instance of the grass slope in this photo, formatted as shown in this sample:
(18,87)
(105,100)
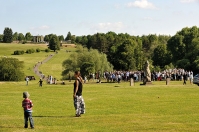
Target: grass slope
(53,67)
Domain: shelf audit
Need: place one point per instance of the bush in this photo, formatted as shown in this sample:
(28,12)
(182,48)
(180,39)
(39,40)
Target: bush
(47,50)
(38,50)
(30,51)
(24,42)
(18,52)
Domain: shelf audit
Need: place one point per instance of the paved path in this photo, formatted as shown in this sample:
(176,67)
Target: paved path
(36,67)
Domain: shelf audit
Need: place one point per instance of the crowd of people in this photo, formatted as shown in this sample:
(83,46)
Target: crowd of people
(118,76)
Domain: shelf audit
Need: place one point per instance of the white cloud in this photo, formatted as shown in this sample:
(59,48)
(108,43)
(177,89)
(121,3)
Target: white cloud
(44,27)
(141,4)
(105,27)
(189,1)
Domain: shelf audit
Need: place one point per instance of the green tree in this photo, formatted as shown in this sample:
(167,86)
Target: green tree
(15,36)
(11,69)
(7,35)
(54,43)
(21,37)
(46,38)
(184,63)
(138,53)
(68,37)
(28,36)
(86,68)
(176,47)
(1,37)
(125,55)
(73,39)
(159,56)
(92,59)
(61,38)
(78,40)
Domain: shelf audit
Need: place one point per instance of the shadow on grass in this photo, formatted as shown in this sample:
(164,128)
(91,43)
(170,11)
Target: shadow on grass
(49,116)
(52,116)
(9,127)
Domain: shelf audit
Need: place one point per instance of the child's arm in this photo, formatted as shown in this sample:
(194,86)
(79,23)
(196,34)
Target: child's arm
(31,104)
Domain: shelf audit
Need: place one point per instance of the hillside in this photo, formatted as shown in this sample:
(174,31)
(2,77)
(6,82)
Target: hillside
(52,67)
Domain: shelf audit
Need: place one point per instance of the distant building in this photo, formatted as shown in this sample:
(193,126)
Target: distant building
(38,39)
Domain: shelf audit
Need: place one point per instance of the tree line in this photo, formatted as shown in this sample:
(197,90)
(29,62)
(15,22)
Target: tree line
(8,36)
(127,52)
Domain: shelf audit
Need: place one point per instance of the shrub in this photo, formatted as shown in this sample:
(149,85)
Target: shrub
(18,52)
(30,51)
(33,50)
(47,50)
(24,42)
(38,50)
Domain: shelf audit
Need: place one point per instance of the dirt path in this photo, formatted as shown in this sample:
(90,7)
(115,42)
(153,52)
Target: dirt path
(36,67)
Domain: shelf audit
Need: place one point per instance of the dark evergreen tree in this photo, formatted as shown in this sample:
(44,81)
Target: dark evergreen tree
(7,35)
(54,43)
(68,37)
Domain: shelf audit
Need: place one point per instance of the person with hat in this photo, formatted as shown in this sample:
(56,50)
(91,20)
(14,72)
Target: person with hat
(27,106)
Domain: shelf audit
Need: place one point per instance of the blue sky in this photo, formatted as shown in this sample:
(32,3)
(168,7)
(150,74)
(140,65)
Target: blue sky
(83,17)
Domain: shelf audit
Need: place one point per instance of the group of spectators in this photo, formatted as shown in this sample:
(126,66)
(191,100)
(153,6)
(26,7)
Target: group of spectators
(118,76)
(173,74)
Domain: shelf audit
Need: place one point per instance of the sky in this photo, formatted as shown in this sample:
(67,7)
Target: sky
(87,17)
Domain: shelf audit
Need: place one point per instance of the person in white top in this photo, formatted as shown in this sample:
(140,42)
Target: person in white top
(191,77)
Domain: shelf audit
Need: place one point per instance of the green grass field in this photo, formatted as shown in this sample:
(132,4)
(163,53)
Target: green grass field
(110,107)
(53,67)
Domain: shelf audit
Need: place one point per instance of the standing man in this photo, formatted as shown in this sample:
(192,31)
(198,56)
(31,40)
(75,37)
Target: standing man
(184,78)
(27,80)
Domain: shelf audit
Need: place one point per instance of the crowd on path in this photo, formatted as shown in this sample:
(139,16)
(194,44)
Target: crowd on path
(36,67)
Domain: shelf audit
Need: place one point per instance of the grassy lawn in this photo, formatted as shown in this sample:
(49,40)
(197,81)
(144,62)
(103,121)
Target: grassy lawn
(109,107)
(53,67)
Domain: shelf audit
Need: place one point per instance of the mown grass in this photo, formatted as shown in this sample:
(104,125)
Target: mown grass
(53,67)
(109,107)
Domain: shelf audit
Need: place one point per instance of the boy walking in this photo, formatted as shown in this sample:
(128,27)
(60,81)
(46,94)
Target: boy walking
(27,106)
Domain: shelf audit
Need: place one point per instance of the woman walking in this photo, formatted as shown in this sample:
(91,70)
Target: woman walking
(77,95)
